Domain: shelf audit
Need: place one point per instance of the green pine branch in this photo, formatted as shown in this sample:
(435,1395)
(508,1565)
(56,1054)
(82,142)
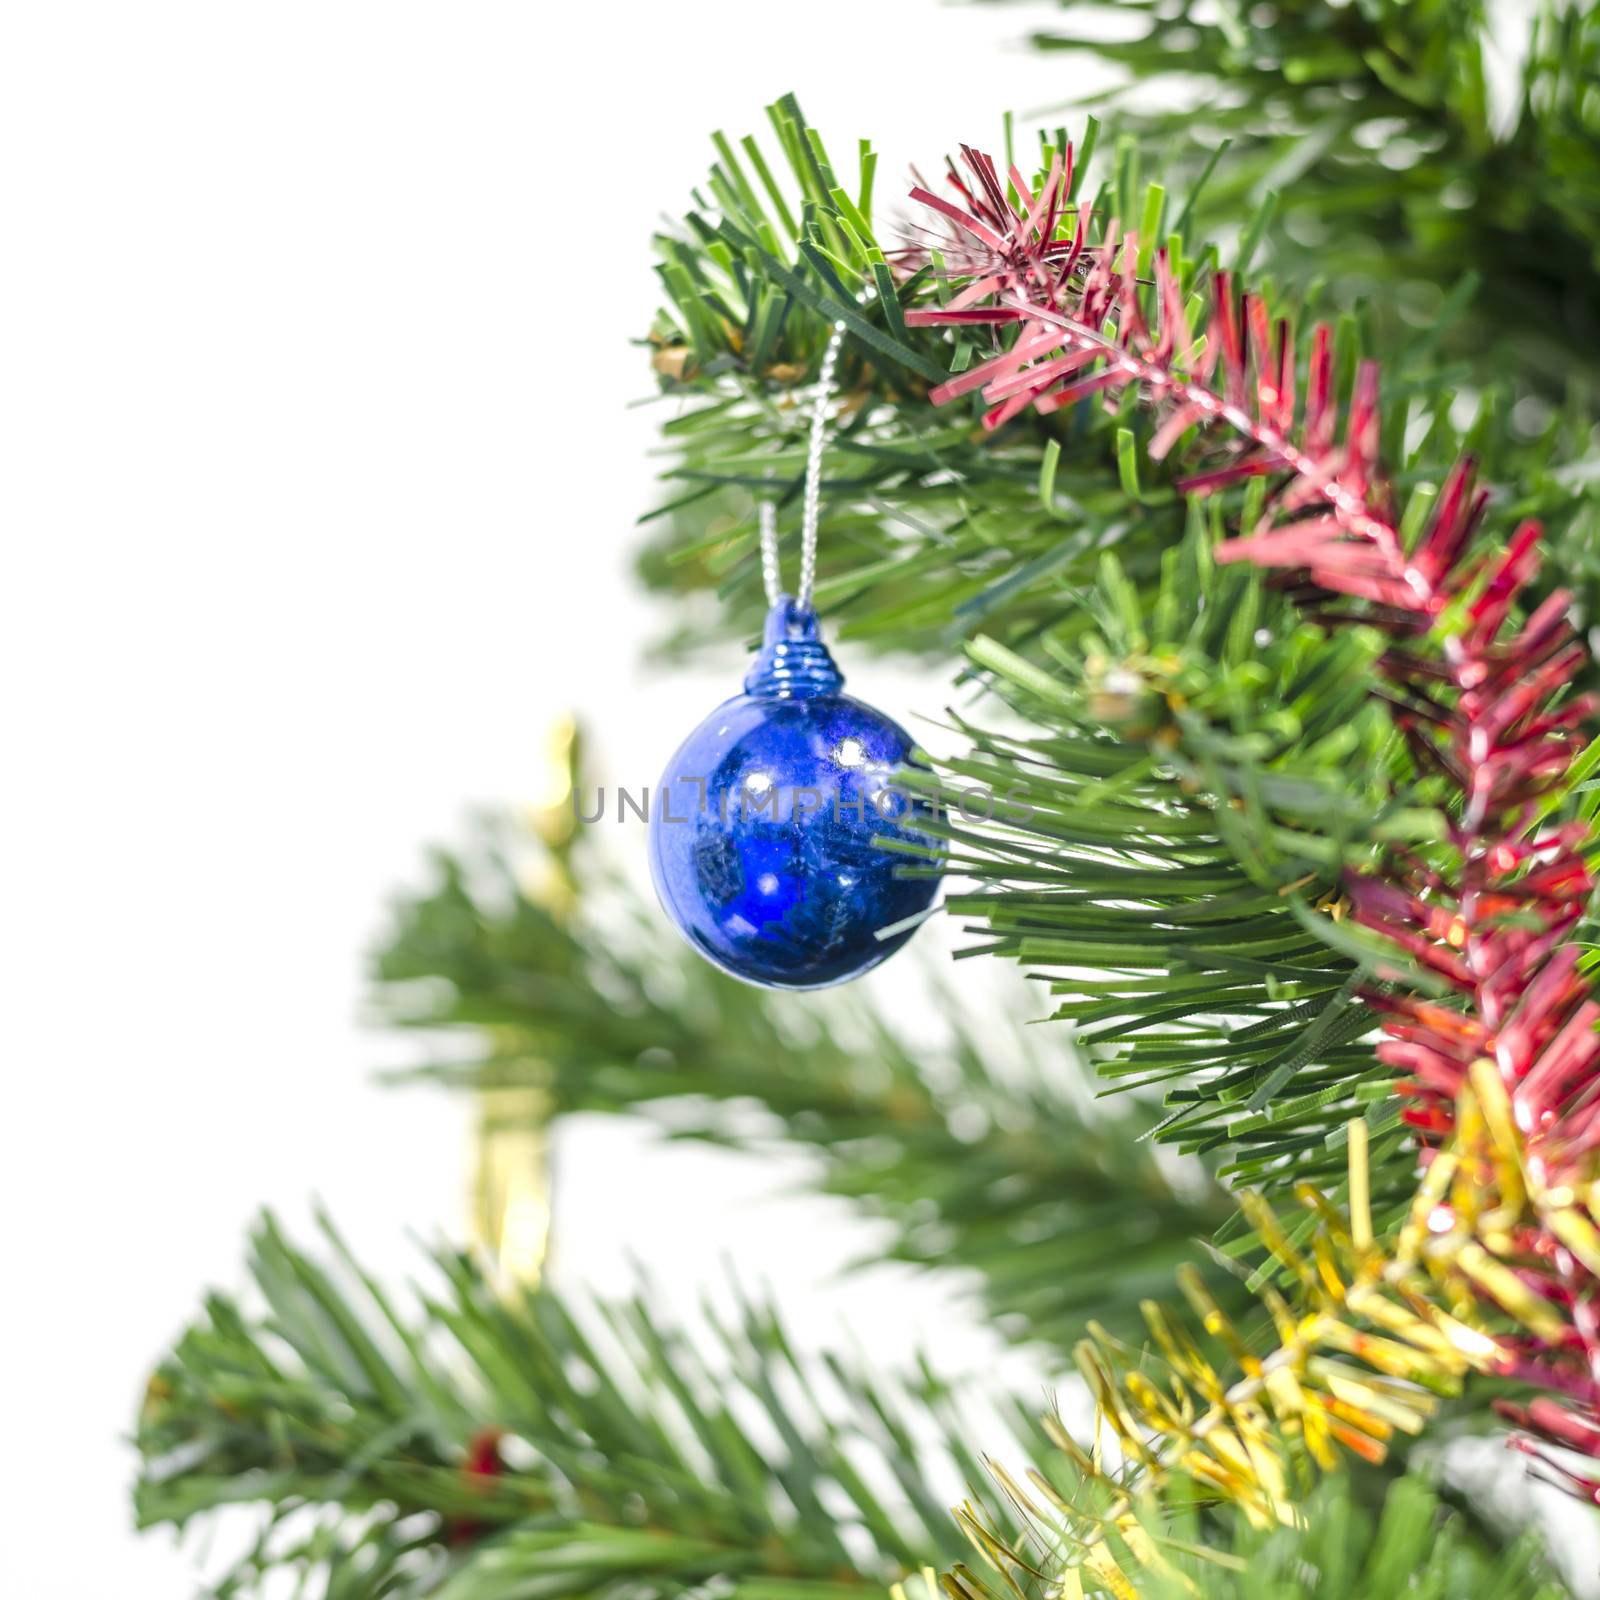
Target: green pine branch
(937,531)
(934,531)
(461,1446)
(1400,198)
(1165,854)
(1374,126)
(958,1148)
(470,1447)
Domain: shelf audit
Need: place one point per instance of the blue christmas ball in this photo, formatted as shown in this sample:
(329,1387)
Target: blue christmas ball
(768,829)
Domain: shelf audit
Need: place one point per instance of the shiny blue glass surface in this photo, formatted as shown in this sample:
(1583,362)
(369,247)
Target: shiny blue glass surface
(762,829)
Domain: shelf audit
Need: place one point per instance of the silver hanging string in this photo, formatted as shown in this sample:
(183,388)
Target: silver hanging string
(811,505)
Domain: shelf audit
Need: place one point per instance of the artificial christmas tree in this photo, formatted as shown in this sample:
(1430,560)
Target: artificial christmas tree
(1288,717)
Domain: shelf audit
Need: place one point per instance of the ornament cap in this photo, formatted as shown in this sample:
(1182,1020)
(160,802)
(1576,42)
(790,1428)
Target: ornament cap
(793,662)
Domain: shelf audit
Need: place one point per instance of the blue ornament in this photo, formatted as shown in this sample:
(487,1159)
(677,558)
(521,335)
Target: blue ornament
(762,829)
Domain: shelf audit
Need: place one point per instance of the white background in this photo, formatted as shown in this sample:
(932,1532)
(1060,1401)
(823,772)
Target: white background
(319,486)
